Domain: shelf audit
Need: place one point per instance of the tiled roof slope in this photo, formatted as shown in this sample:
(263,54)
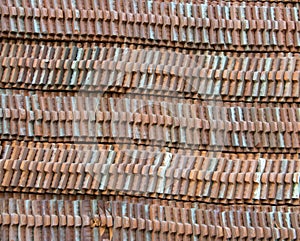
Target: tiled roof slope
(149,120)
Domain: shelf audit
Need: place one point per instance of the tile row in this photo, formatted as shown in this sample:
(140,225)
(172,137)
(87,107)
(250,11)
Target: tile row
(54,220)
(218,26)
(153,71)
(202,222)
(174,123)
(94,170)
(143,6)
(27,150)
(130,220)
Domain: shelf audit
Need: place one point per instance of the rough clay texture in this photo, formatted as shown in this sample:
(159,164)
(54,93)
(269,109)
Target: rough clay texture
(149,120)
